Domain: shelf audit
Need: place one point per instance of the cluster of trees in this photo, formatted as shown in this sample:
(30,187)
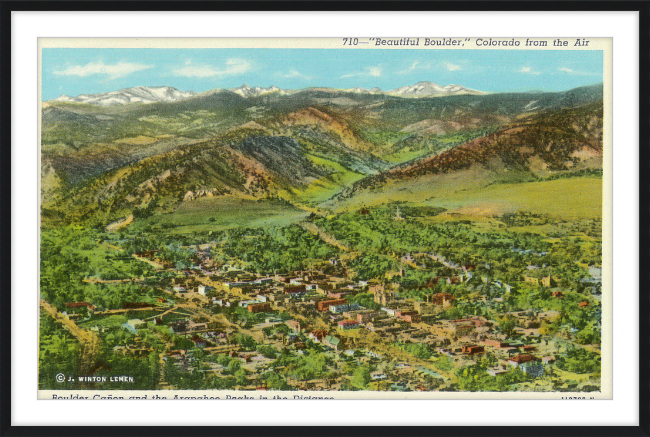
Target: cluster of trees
(366,300)
(274,249)
(312,364)
(431,144)
(145,370)
(234,376)
(360,378)
(58,353)
(268,351)
(247,342)
(372,266)
(580,360)
(182,258)
(70,254)
(418,350)
(476,378)
(382,240)
(276,381)
(147,210)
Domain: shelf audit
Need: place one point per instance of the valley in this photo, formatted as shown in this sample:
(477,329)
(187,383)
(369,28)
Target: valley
(426,238)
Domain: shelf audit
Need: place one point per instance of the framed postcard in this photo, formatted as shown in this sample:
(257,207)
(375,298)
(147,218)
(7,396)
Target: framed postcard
(415,241)
(235,215)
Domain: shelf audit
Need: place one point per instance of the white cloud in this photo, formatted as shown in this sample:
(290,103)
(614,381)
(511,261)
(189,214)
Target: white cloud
(369,71)
(417,65)
(578,73)
(233,66)
(528,70)
(113,71)
(193,71)
(413,66)
(293,74)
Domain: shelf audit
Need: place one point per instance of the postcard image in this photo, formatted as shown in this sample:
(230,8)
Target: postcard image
(341,218)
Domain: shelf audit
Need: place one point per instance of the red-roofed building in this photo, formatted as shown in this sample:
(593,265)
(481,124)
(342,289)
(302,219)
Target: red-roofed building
(338,294)
(318,335)
(295,290)
(366,317)
(496,343)
(473,349)
(521,359)
(324,305)
(465,329)
(198,341)
(348,324)
(442,299)
(263,307)
(75,305)
(408,316)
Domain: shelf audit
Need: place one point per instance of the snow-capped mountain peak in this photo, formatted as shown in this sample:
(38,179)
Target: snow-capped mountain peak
(248,91)
(139,94)
(364,91)
(431,89)
(144,94)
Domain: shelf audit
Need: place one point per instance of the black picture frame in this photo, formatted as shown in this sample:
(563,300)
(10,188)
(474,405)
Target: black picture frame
(643,7)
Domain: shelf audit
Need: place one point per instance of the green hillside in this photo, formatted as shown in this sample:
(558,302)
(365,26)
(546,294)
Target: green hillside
(317,149)
(564,143)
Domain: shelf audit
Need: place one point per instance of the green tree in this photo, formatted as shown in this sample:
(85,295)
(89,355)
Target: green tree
(234,366)
(361,378)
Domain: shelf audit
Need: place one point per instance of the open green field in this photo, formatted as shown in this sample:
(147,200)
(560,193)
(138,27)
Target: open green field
(217,213)
(324,188)
(573,198)
(404,155)
(570,198)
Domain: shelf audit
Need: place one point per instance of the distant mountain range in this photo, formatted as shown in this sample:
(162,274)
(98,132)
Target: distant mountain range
(430,89)
(317,148)
(139,94)
(248,91)
(142,94)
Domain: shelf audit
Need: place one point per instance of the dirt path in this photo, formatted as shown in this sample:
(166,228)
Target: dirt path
(113,281)
(126,310)
(329,239)
(151,262)
(116,226)
(219,318)
(171,310)
(89,340)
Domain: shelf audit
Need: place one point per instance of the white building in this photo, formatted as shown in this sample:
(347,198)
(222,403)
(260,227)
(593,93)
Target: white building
(338,309)
(203,289)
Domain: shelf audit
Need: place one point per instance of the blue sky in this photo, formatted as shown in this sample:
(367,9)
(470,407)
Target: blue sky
(89,71)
